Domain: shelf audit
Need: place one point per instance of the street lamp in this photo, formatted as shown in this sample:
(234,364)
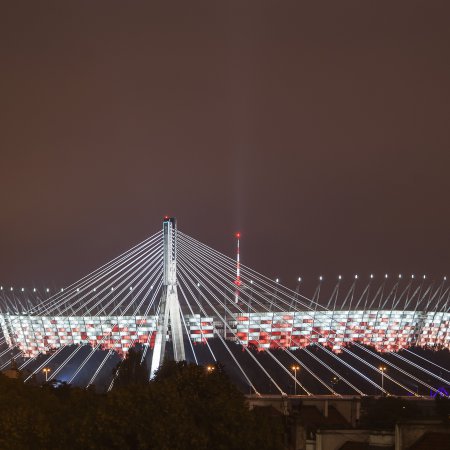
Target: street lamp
(382,370)
(46,370)
(210,369)
(295,368)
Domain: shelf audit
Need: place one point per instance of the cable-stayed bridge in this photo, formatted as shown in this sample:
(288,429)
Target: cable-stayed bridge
(174,295)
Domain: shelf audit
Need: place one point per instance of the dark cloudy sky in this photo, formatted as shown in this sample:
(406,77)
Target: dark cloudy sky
(319,129)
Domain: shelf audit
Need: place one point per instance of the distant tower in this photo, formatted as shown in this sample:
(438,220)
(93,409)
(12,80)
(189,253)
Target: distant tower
(169,305)
(237,281)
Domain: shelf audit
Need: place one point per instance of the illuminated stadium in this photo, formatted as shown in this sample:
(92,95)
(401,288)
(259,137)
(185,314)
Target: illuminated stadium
(172,289)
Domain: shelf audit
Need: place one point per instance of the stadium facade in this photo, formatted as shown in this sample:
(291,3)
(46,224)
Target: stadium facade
(134,299)
(386,330)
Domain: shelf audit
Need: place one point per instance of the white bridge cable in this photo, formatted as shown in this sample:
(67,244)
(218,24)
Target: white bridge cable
(126,260)
(320,346)
(144,353)
(348,351)
(156,256)
(225,345)
(99,343)
(229,262)
(113,283)
(54,355)
(218,270)
(13,358)
(128,267)
(100,367)
(148,343)
(417,366)
(357,357)
(95,273)
(99,272)
(73,353)
(84,289)
(203,257)
(232,264)
(191,262)
(142,271)
(399,369)
(26,362)
(226,325)
(188,338)
(388,363)
(42,310)
(196,262)
(251,272)
(155,293)
(428,361)
(199,263)
(83,315)
(194,315)
(94,280)
(186,269)
(151,280)
(402,357)
(84,283)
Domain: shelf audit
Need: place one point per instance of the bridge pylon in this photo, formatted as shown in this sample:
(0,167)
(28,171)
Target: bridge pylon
(169,309)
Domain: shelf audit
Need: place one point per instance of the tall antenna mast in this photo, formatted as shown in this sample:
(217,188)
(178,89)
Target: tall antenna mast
(237,281)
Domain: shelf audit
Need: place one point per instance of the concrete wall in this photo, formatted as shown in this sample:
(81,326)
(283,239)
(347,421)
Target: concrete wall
(407,433)
(334,439)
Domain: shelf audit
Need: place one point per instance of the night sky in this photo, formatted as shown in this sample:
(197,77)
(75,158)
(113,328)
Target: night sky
(320,130)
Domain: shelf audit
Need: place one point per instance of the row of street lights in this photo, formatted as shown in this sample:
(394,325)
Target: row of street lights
(62,289)
(372,276)
(295,368)
(277,280)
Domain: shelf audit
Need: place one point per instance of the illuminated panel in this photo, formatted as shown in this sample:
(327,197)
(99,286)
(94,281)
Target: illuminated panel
(35,334)
(386,330)
(200,328)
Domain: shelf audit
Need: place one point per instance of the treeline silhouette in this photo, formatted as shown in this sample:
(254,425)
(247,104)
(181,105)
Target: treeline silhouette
(184,407)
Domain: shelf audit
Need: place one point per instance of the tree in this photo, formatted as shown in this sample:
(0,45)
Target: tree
(131,370)
(185,407)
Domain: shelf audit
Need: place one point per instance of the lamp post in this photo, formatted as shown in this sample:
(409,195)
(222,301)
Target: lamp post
(209,369)
(382,370)
(295,368)
(46,370)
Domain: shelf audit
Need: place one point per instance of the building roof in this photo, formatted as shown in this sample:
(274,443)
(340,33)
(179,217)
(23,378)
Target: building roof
(311,416)
(432,440)
(352,445)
